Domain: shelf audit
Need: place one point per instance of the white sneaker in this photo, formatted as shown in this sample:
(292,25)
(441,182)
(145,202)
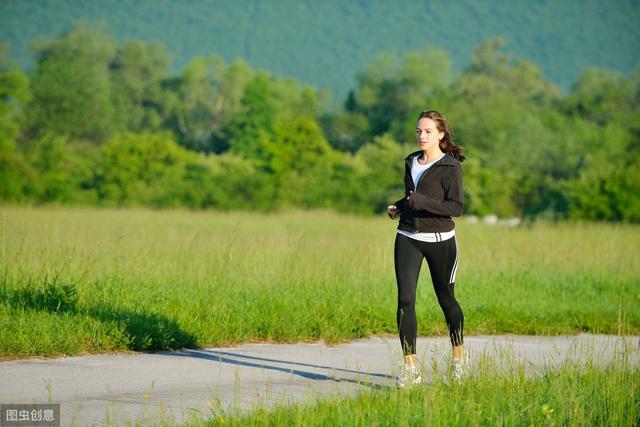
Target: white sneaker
(460,367)
(408,375)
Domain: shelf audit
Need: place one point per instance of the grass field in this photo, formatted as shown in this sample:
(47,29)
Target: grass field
(84,280)
(577,396)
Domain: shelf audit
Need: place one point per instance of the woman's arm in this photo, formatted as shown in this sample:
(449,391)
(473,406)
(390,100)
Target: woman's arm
(453,195)
(400,204)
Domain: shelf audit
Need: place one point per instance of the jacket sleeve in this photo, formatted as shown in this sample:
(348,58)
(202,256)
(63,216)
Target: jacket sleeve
(453,195)
(400,204)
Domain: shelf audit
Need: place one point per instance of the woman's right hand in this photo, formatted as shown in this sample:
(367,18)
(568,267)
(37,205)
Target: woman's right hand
(392,211)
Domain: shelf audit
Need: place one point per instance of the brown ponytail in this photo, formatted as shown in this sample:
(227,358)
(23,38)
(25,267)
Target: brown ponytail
(446,143)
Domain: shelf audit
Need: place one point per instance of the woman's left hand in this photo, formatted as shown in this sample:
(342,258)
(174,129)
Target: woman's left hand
(416,199)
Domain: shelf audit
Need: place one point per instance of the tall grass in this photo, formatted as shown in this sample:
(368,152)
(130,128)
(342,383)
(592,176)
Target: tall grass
(76,280)
(570,396)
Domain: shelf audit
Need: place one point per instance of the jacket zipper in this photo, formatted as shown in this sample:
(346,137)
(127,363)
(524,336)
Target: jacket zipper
(415,188)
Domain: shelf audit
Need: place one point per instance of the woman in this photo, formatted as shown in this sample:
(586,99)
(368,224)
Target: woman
(433,194)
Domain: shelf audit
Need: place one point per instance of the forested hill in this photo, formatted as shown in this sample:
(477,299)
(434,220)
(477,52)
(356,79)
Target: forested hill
(326,43)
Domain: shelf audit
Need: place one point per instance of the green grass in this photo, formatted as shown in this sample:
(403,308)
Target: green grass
(85,280)
(570,396)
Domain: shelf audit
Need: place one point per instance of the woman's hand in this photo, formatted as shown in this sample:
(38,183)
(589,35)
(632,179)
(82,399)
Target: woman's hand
(392,211)
(416,200)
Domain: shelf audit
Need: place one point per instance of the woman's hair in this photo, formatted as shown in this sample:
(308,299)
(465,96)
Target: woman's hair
(446,143)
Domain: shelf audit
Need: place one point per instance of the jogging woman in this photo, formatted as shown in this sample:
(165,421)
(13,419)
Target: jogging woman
(433,194)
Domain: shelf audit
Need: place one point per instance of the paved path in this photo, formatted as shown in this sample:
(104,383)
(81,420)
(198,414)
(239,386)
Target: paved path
(111,389)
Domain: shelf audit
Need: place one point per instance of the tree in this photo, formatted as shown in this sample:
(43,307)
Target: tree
(14,94)
(391,92)
(602,96)
(141,169)
(380,182)
(299,158)
(250,130)
(492,72)
(605,192)
(346,131)
(210,94)
(137,74)
(71,85)
(63,174)
(500,111)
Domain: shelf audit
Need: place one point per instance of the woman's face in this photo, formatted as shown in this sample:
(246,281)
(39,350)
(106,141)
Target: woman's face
(427,134)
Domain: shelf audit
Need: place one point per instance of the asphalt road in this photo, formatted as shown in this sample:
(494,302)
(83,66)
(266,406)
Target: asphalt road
(116,389)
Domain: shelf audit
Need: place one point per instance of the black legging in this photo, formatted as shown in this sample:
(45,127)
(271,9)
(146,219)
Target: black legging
(442,260)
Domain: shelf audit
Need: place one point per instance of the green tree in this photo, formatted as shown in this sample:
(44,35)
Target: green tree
(390,91)
(605,192)
(601,95)
(15,173)
(250,131)
(301,161)
(64,174)
(500,109)
(210,94)
(381,181)
(142,169)
(151,169)
(138,71)
(346,131)
(230,182)
(71,85)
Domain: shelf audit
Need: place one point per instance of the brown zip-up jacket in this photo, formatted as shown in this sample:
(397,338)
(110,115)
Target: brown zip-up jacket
(437,198)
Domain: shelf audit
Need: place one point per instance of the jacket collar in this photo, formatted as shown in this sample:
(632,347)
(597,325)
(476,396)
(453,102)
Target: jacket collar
(446,160)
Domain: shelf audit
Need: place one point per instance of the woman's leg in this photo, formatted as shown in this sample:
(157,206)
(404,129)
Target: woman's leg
(407,260)
(442,258)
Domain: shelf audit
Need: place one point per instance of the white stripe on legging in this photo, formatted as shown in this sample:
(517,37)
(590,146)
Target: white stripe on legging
(452,278)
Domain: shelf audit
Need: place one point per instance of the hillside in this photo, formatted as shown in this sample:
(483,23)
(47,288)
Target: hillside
(327,43)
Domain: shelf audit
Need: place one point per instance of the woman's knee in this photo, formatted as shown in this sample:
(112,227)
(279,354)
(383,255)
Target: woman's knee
(406,301)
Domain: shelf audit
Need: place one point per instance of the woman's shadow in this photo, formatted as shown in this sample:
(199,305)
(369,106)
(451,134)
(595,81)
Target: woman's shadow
(154,332)
(265,363)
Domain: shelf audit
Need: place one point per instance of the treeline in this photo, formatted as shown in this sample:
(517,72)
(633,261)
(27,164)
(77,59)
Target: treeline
(97,123)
